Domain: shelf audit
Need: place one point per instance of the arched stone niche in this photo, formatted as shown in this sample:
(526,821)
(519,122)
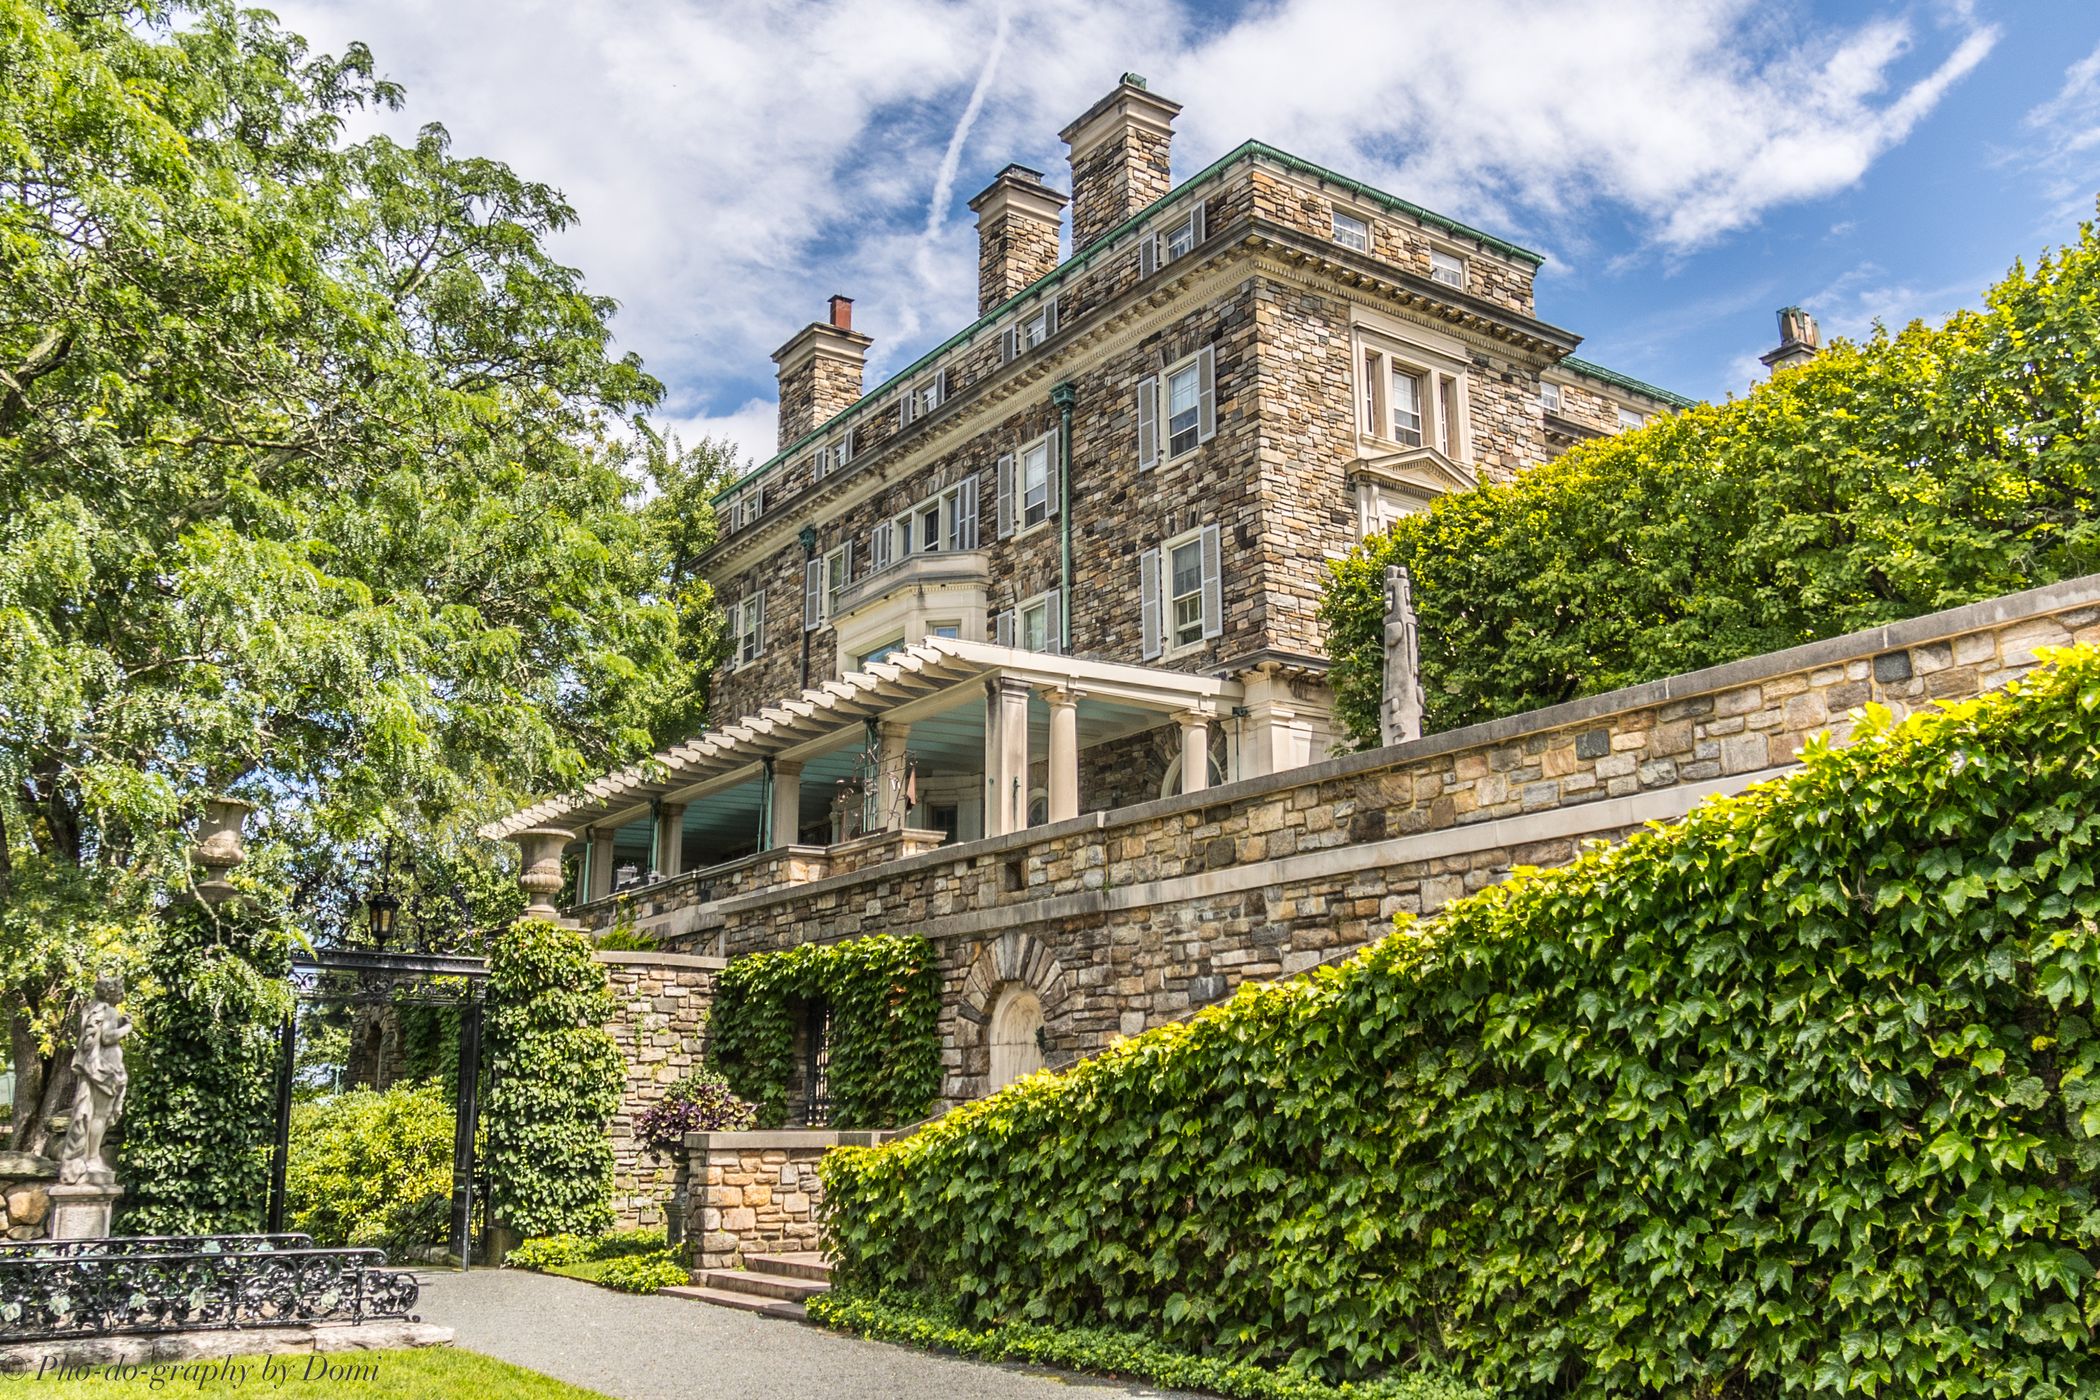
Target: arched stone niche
(1016,1035)
(1013,989)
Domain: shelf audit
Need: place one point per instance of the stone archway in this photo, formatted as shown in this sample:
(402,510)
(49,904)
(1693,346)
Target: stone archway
(992,1010)
(1016,1035)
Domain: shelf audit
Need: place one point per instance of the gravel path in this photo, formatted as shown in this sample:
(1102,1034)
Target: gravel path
(672,1349)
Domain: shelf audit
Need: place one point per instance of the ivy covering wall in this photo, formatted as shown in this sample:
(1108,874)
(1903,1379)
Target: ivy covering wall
(1884,480)
(198,1119)
(1797,1095)
(885,1049)
(558,1078)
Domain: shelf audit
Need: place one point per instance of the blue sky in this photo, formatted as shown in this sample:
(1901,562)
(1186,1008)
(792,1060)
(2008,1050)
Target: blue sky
(1687,166)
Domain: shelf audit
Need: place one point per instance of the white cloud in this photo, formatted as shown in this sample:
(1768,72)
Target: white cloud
(733,162)
(2068,128)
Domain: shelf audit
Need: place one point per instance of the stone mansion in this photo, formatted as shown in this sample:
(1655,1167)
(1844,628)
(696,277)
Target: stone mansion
(1070,560)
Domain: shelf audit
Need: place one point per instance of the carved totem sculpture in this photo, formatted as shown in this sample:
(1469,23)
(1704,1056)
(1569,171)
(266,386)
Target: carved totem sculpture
(1400,710)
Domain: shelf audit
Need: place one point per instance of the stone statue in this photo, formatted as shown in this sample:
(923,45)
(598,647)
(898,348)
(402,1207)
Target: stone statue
(1400,710)
(98,1085)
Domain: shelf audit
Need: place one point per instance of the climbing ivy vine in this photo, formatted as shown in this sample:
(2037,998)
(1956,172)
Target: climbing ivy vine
(885,1054)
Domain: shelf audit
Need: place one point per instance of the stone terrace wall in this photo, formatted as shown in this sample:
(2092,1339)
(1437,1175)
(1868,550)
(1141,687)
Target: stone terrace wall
(661,1003)
(1120,920)
(758,1193)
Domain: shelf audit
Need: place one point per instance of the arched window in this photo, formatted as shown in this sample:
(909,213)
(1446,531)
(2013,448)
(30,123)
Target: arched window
(1017,1017)
(1170,785)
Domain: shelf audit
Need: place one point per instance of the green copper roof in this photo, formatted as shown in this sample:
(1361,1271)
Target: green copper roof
(1107,240)
(1625,381)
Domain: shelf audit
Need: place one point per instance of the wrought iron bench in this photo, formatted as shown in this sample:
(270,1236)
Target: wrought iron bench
(52,1289)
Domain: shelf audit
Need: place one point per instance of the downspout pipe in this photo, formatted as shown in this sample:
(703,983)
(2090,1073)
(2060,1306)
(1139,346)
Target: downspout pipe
(809,552)
(1063,396)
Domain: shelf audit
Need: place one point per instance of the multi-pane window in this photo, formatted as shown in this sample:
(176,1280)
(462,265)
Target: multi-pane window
(749,627)
(1185,592)
(1407,407)
(1352,232)
(1184,400)
(1035,625)
(1629,419)
(1447,415)
(934,525)
(835,580)
(1035,483)
(1549,395)
(1180,239)
(1447,268)
(1035,329)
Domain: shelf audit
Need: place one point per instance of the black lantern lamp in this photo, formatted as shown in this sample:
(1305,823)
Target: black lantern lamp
(383,905)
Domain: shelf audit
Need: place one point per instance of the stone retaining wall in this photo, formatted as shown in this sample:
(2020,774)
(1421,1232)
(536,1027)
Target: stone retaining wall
(1120,920)
(661,1004)
(758,1192)
(25,1202)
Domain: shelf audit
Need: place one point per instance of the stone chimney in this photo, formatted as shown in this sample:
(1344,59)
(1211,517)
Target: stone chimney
(1799,340)
(1017,219)
(1119,158)
(820,371)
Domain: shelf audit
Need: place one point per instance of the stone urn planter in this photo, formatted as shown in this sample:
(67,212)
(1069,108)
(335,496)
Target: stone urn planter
(539,870)
(220,847)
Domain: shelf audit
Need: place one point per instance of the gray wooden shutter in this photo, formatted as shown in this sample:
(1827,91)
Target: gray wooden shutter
(846,564)
(812,593)
(1148,604)
(1148,423)
(1213,586)
(1206,395)
(880,544)
(846,447)
(1196,219)
(1003,628)
(904,409)
(1009,342)
(1148,256)
(1053,622)
(1050,318)
(758,500)
(966,512)
(1006,495)
(1050,475)
(758,622)
(940,387)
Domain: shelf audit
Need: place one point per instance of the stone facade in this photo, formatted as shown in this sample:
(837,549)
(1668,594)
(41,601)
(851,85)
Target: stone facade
(1120,920)
(661,1002)
(758,1192)
(25,1200)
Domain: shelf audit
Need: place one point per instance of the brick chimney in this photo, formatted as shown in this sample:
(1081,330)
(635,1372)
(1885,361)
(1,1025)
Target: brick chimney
(1017,220)
(1119,158)
(1799,340)
(820,371)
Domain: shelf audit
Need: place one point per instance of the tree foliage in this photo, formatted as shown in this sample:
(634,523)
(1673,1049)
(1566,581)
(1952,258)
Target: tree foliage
(557,1081)
(320,479)
(1801,1094)
(1884,480)
(197,1125)
(884,996)
(373,1167)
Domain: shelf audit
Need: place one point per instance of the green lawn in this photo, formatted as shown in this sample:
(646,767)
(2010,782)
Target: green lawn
(423,1373)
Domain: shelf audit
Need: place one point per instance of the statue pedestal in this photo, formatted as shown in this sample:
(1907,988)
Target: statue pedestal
(82,1211)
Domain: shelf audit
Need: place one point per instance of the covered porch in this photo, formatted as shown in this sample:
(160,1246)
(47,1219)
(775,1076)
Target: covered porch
(943,741)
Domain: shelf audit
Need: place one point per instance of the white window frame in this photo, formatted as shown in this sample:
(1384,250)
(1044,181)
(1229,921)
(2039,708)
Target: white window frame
(1630,419)
(1039,607)
(1160,631)
(1550,398)
(1038,326)
(748,628)
(1156,250)
(952,526)
(1357,237)
(1171,600)
(837,562)
(1441,400)
(921,397)
(1027,514)
(1449,269)
(1156,433)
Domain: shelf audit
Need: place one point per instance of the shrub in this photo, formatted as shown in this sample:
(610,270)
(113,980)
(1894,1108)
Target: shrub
(700,1103)
(1802,1093)
(373,1167)
(558,1080)
(1881,481)
(644,1273)
(1110,1353)
(194,1154)
(559,1251)
(885,998)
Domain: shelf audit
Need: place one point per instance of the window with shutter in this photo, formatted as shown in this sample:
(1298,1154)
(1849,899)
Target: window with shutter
(879,548)
(1006,495)
(1053,622)
(966,512)
(1003,628)
(1206,395)
(846,447)
(1036,476)
(1213,585)
(1184,591)
(1148,255)
(812,594)
(1149,605)
(1148,423)
(1009,344)
(1184,408)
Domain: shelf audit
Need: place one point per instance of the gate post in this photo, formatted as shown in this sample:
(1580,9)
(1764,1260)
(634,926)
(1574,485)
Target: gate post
(281,1141)
(466,1119)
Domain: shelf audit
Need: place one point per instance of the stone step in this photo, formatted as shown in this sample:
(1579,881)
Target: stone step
(760,1285)
(806,1265)
(743,1302)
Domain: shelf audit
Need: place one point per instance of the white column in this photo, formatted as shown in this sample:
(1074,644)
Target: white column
(1195,751)
(787,802)
(1064,753)
(1278,733)
(670,839)
(601,858)
(890,809)
(1005,757)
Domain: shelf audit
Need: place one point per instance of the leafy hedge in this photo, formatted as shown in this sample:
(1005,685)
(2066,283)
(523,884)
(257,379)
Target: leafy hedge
(194,1155)
(373,1167)
(557,1251)
(885,999)
(1882,481)
(1111,1353)
(557,1082)
(1797,1094)
(644,1273)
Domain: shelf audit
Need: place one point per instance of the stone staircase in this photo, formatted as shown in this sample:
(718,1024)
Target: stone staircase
(773,1285)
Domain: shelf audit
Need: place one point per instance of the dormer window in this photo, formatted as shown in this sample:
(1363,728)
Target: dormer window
(1352,232)
(1030,331)
(1447,268)
(922,398)
(746,507)
(1177,240)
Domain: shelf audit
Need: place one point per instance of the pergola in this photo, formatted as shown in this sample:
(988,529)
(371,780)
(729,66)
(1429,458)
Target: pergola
(932,713)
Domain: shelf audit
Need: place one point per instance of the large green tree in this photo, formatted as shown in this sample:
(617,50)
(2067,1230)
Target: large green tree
(1913,472)
(321,481)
